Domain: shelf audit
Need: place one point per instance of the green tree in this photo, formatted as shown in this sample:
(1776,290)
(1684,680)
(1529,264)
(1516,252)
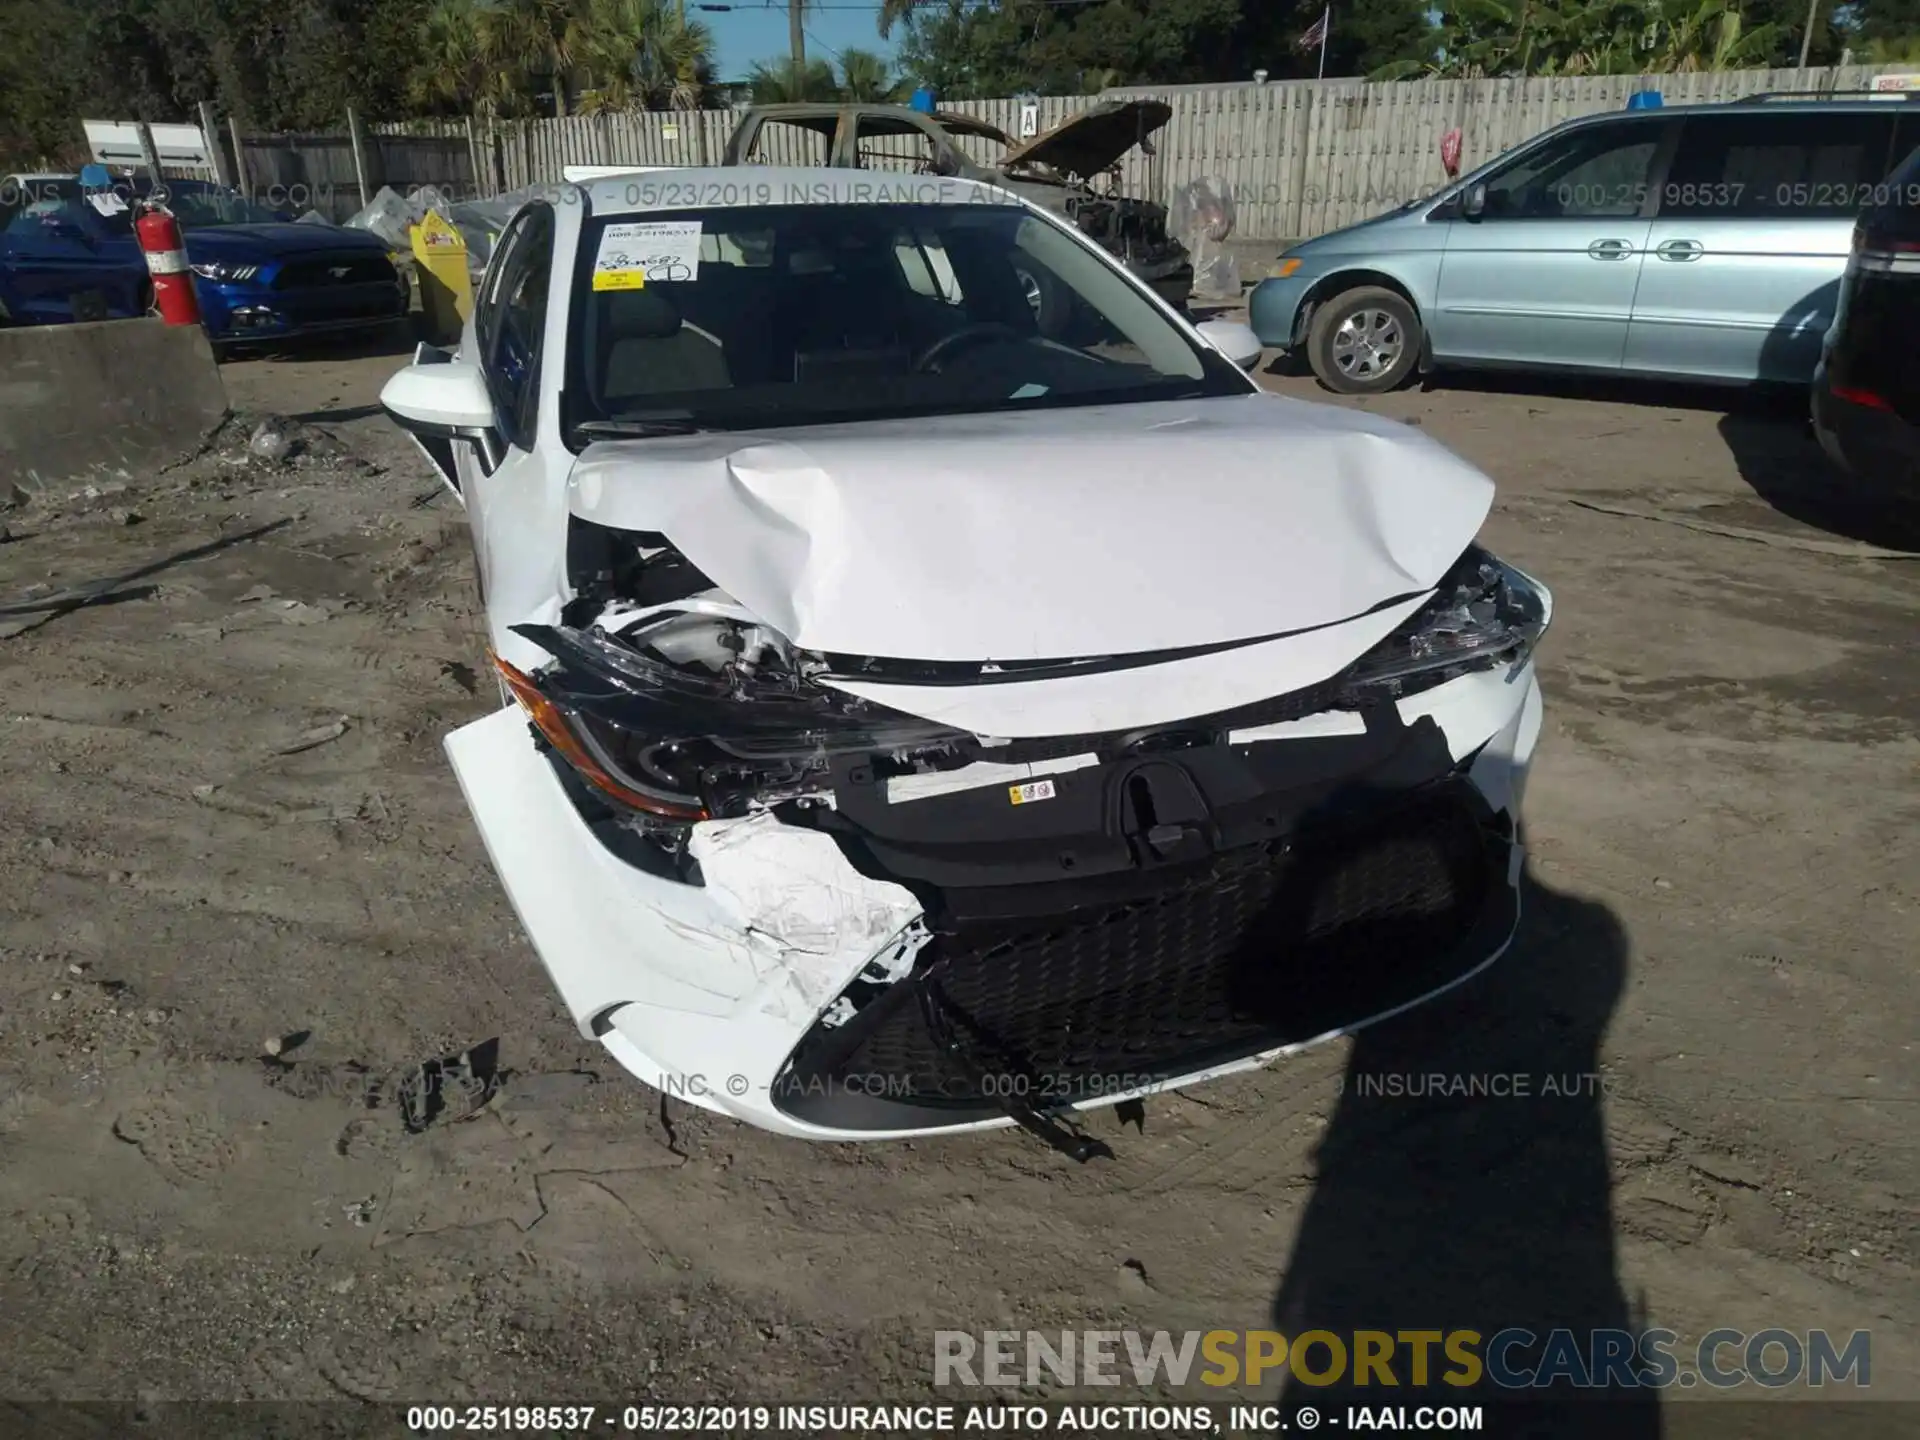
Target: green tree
(452,70)
(1890,27)
(770,82)
(640,54)
(865,76)
(1597,37)
(1002,47)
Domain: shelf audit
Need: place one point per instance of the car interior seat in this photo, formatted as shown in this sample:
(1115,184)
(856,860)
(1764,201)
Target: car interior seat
(652,350)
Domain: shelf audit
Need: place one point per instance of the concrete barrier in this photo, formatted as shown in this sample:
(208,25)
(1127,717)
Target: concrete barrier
(118,398)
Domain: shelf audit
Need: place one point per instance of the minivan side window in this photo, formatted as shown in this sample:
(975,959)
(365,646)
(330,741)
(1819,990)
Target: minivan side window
(1783,166)
(1599,170)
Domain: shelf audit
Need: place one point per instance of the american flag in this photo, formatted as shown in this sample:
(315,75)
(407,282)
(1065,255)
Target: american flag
(1316,32)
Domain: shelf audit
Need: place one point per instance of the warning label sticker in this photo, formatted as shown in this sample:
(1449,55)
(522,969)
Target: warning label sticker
(632,257)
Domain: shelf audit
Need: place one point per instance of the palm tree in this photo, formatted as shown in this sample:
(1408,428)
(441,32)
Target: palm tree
(450,70)
(641,54)
(892,12)
(772,81)
(865,76)
(535,41)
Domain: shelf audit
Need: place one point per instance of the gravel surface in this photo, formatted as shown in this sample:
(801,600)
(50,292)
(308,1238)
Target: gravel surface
(240,900)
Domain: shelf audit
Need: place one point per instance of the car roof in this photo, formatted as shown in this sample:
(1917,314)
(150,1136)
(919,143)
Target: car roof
(731,186)
(1781,103)
(824,115)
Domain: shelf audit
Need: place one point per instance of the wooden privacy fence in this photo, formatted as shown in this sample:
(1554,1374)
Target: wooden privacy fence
(301,172)
(1301,157)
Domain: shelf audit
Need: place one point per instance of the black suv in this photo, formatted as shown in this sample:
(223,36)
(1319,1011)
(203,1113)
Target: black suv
(1866,392)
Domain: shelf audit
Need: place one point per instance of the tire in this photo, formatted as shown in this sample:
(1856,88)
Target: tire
(1052,313)
(1365,341)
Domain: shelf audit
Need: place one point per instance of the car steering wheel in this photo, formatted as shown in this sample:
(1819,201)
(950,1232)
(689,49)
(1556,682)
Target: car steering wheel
(943,348)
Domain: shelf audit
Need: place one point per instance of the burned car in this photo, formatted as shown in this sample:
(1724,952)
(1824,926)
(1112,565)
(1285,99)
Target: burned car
(1070,170)
(912,722)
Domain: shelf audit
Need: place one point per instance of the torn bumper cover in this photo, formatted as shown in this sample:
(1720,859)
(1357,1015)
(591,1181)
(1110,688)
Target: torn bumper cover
(831,917)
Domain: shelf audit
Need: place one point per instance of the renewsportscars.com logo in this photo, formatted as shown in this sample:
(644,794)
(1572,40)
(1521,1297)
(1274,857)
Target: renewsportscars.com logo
(1511,1359)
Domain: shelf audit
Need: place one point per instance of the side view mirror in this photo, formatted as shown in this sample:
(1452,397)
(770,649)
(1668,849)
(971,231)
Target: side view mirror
(441,398)
(1236,342)
(1473,201)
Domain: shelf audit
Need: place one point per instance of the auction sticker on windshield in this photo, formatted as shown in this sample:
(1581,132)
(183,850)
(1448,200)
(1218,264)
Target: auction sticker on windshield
(631,257)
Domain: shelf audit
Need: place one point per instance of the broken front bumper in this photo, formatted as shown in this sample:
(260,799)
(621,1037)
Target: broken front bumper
(907,990)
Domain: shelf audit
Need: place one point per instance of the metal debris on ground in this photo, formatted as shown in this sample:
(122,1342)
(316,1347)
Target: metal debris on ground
(317,736)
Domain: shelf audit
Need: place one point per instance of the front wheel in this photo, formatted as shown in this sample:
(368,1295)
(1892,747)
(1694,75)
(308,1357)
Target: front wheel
(1365,341)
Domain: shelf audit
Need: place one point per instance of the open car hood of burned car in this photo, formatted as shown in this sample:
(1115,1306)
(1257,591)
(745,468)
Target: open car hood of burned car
(1093,140)
(1097,531)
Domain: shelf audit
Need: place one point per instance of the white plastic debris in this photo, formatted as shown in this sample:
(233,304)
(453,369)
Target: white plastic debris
(387,215)
(271,440)
(1202,219)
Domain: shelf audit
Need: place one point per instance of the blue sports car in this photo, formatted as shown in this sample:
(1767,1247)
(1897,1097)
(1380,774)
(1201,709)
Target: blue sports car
(259,275)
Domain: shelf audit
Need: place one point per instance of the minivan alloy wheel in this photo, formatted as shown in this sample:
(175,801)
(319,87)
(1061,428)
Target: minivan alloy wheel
(1368,344)
(1364,341)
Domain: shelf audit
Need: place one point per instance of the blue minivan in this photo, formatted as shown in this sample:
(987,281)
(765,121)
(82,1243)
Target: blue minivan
(258,274)
(1697,242)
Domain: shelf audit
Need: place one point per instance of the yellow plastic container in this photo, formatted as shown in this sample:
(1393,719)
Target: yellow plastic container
(440,269)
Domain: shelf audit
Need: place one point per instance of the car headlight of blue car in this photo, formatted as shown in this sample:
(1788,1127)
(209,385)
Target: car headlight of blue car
(223,271)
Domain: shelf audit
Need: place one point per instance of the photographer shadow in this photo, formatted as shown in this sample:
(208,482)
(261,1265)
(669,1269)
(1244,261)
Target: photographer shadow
(1463,1184)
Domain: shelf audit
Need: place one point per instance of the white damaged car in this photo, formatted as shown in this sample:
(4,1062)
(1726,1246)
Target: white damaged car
(915,723)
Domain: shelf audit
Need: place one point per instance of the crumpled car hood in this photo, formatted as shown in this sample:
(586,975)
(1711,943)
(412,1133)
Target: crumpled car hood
(1055,534)
(1085,144)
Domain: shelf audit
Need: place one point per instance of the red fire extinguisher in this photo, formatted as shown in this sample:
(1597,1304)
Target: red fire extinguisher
(166,256)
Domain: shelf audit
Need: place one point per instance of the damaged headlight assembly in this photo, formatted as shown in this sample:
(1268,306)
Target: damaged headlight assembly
(701,716)
(1484,615)
(673,744)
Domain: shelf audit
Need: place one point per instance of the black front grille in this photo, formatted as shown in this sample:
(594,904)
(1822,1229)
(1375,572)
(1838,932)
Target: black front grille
(1260,947)
(340,270)
(334,309)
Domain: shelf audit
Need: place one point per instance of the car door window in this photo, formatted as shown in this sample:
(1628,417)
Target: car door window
(512,326)
(1906,140)
(881,143)
(1781,166)
(1596,171)
(792,142)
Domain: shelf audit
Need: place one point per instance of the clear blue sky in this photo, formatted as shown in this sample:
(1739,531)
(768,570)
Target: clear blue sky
(755,30)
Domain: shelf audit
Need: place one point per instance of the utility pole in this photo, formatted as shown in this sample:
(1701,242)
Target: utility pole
(797,43)
(1806,36)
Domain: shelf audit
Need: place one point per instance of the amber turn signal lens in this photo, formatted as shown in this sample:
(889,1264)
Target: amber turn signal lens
(551,723)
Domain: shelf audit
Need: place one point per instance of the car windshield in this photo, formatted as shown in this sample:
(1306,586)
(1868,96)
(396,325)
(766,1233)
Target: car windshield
(778,315)
(199,206)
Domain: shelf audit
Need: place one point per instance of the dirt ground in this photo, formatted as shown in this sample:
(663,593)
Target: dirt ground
(228,821)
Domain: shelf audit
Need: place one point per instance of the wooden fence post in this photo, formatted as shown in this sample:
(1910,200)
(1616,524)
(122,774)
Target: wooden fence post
(242,177)
(210,137)
(1297,218)
(359,143)
(473,163)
